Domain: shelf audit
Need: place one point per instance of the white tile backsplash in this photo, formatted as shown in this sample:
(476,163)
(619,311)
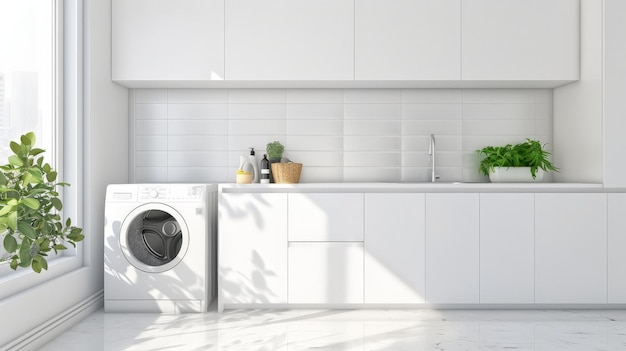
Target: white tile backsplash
(197,111)
(151,111)
(315,111)
(255,111)
(247,96)
(328,96)
(197,135)
(431,111)
(369,96)
(197,127)
(150,96)
(197,96)
(432,96)
(373,111)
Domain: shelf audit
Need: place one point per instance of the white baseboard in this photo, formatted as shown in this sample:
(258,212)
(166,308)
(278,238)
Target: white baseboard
(45,332)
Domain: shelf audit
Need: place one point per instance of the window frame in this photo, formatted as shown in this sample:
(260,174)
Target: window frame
(67,139)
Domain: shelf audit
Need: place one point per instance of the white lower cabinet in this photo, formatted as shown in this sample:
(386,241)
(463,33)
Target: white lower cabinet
(570,248)
(452,233)
(395,248)
(325,272)
(507,248)
(617,248)
(252,252)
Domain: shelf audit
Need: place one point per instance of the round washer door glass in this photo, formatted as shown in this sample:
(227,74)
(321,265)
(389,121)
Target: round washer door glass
(154,238)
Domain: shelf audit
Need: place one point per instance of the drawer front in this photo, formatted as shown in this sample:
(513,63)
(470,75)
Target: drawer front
(325,217)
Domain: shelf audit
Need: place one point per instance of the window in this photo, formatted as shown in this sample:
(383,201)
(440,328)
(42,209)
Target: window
(32,88)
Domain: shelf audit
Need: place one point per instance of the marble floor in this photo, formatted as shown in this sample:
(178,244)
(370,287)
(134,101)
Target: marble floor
(448,330)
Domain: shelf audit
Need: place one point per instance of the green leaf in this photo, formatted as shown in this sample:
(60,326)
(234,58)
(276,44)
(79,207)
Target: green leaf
(10,244)
(57,203)
(51,176)
(6,209)
(35,172)
(14,263)
(28,139)
(59,247)
(36,266)
(15,161)
(38,263)
(31,203)
(76,235)
(25,256)
(27,230)
(68,222)
(36,151)
(15,147)
(12,220)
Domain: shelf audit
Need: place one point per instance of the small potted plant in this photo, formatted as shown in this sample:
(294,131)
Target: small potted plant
(30,224)
(523,162)
(275,151)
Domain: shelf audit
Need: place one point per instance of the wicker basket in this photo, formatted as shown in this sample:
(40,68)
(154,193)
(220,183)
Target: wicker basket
(286,172)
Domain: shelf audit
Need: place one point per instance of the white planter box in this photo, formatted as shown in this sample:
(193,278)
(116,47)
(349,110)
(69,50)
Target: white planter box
(515,175)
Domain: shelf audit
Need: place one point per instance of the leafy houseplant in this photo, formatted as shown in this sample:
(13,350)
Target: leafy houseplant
(275,151)
(29,205)
(526,154)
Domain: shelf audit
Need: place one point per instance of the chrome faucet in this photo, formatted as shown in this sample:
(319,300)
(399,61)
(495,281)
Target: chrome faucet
(431,158)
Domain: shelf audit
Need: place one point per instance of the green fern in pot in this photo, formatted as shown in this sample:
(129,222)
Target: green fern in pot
(529,154)
(30,223)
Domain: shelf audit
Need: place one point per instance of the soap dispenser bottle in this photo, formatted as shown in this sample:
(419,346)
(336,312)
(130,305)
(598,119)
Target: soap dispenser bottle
(255,166)
(265,170)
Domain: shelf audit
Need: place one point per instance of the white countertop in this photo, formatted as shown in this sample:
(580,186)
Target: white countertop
(421,187)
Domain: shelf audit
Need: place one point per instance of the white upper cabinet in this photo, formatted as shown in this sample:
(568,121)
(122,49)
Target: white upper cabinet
(167,40)
(520,40)
(408,40)
(290,40)
(570,248)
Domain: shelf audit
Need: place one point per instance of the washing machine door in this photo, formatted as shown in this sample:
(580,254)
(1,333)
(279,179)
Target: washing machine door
(154,237)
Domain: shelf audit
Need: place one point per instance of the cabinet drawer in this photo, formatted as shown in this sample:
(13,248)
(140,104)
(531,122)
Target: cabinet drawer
(325,272)
(325,217)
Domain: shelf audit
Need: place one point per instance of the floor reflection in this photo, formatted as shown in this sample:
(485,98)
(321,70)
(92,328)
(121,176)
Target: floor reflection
(351,330)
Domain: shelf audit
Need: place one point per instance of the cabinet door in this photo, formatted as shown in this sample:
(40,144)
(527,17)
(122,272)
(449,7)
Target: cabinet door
(617,248)
(452,225)
(325,272)
(394,248)
(167,40)
(290,40)
(325,217)
(570,248)
(252,248)
(507,248)
(408,40)
(520,40)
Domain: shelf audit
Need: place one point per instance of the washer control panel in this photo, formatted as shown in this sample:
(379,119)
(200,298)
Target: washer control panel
(170,192)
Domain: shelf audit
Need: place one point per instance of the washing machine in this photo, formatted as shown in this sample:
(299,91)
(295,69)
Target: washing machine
(159,247)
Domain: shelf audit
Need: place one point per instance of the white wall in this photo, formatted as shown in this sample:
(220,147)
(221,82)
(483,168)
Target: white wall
(105,161)
(614,89)
(578,107)
(197,135)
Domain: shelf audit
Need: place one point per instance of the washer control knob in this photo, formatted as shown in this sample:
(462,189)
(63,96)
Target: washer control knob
(153,194)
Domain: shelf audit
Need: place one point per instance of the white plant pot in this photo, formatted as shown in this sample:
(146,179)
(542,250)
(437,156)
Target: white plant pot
(515,175)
